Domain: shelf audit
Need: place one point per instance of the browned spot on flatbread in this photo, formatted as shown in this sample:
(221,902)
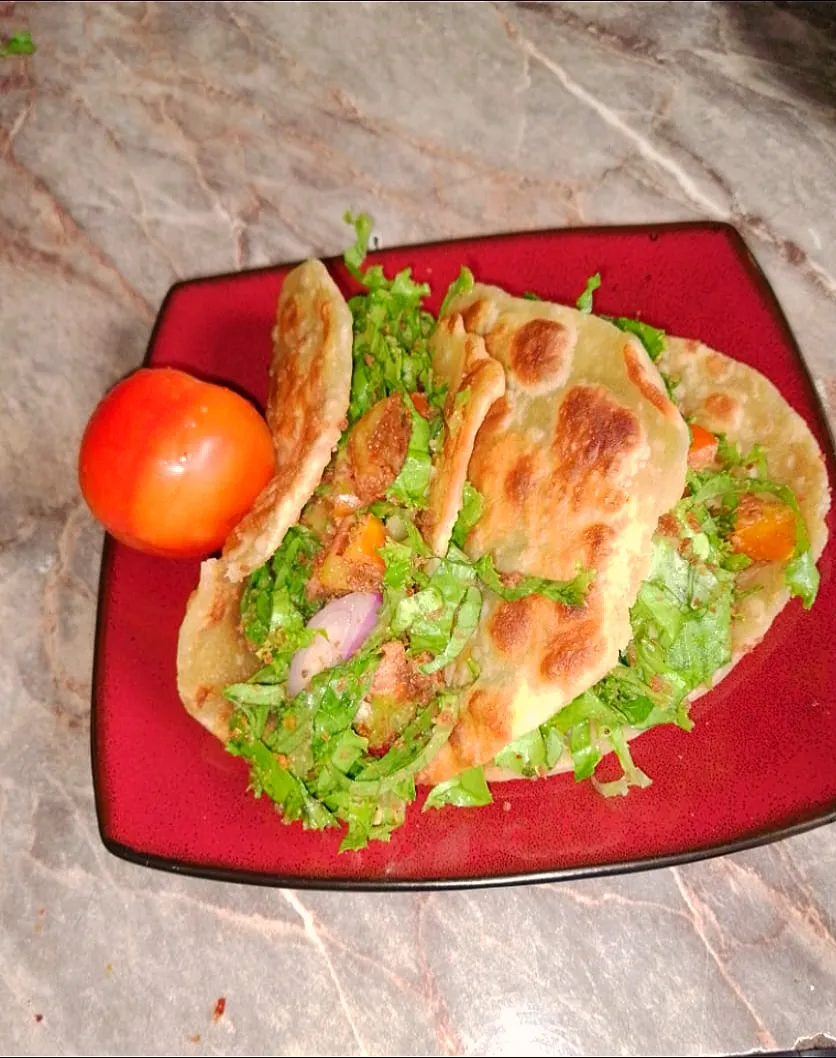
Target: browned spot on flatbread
(325,316)
(573,648)
(519,482)
(510,625)
(593,433)
(218,609)
(499,412)
(716,367)
(651,392)
(541,352)
(477,316)
(722,409)
(486,721)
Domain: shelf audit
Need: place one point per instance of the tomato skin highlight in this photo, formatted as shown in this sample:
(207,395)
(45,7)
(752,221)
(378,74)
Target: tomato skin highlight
(169,464)
(703,448)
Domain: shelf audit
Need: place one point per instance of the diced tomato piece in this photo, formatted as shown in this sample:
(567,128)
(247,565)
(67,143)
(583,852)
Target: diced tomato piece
(422,405)
(703,447)
(353,562)
(366,539)
(764,529)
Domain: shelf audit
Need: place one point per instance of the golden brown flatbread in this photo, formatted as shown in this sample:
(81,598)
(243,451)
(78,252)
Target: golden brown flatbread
(211,649)
(310,383)
(575,464)
(474,382)
(731,398)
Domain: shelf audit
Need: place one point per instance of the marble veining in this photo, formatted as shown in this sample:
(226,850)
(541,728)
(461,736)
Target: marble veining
(146,142)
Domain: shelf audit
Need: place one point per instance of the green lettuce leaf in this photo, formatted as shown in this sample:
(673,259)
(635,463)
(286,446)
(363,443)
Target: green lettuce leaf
(275,606)
(571,592)
(802,578)
(651,337)
(442,615)
(391,331)
(467,790)
(470,513)
(462,284)
(584,302)
(411,487)
(464,625)
(533,754)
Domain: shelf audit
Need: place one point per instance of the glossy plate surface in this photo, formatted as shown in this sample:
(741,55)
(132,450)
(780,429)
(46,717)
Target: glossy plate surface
(760,763)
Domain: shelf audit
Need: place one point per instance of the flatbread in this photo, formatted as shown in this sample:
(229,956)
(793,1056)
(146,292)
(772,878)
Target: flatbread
(575,463)
(730,397)
(474,382)
(212,652)
(310,383)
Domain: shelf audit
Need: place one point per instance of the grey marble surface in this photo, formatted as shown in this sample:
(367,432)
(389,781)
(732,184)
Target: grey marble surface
(144,143)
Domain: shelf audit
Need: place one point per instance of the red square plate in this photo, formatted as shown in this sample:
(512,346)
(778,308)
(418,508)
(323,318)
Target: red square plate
(760,764)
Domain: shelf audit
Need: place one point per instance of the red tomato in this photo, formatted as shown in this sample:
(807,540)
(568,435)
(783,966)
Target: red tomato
(169,464)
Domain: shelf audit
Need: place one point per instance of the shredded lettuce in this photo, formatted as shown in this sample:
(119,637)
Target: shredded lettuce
(436,605)
(533,754)
(571,592)
(275,606)
(317,768)
(584,302)
(726,488)
(466,790)
(411,487)
(462,284)
(469,514)
(391,331)
(651,337)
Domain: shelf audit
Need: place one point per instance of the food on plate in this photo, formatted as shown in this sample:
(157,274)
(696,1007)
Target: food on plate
(770,525)
(497,544)
(576,463)
(170,464)
(310,376)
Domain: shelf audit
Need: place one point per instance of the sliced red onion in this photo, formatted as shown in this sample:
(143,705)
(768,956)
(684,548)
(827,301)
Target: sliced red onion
(346,623)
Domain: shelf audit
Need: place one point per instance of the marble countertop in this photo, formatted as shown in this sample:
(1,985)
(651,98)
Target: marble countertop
(147,142)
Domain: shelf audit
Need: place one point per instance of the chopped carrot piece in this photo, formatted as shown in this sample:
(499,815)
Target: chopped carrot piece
(764,530)
(703,447)
(353,562)
(366,539)
(422,405)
